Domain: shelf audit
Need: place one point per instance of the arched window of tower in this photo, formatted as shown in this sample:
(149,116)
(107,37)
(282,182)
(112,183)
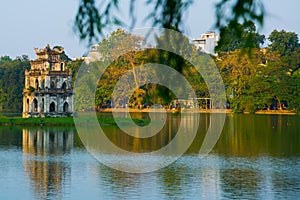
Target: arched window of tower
(43,83)
(36,83)
(43,103)
(52,107)
(35,105)
(66,107)
(61,66)
(27,106)
(52,85)
(64,86)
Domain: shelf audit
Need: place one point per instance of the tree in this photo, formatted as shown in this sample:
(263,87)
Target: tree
(246,37)
(118,51)
(90,21)
(283,42)
(293,61)
(264,80)
(290,79)
(4,59)
(236,71)
(250,84)
(3,96)
(12,82)
(63,56)
(117,44)
(74,66)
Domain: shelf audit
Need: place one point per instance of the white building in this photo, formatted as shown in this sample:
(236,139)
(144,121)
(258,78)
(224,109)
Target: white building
(207,42)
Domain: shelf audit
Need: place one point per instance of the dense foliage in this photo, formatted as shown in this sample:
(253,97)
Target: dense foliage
(263,78)
(267,78)
(12,75)
(245,37)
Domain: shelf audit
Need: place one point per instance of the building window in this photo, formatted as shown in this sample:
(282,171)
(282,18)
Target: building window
(36,84)
(66,107)
(52,107)
(43,83)
(52,85)
(64,86)
(27,105)
(43,102)
(61,66)
(35,105)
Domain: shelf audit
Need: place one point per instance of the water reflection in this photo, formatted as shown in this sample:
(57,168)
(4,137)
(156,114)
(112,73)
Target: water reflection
(163,137)
(260,135)
(256,157)
(46,152)
(242,135)
(234,186)
(174,180)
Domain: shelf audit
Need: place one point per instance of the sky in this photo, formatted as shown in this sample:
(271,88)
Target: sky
(28,24)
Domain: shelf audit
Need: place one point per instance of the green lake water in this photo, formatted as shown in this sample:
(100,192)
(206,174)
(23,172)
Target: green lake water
(256,156)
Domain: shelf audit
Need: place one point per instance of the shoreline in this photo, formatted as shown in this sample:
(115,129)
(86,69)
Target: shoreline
(276,112)
(147,110)
(227,111)
(64,121)
(19,121)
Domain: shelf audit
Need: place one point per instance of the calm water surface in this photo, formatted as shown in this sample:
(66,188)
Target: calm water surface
(257,156)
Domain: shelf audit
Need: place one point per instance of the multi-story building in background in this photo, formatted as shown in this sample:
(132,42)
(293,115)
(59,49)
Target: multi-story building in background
(207,42)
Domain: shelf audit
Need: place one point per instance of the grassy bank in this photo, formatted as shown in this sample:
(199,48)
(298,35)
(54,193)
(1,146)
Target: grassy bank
(19,121)
(67,121)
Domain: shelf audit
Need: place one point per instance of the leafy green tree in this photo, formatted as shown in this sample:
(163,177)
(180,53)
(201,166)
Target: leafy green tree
(177,44)
(117,44)
(109,50)
(245,37)
(74,66)
(262,81)
(293,93)
(245,85)
(3,96)
(293,61)
(283,42)
(4,59)
(286,84)
(12,82)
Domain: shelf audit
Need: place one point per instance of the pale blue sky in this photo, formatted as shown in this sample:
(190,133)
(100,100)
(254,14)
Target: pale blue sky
(35,23)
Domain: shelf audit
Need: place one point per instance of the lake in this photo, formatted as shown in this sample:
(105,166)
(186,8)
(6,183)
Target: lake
(256,156)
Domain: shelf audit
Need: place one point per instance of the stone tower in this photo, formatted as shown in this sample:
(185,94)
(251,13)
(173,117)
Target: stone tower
(48,86)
